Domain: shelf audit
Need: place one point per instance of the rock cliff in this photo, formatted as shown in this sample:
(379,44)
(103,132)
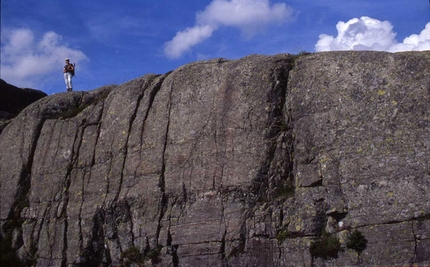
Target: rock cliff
(311,160)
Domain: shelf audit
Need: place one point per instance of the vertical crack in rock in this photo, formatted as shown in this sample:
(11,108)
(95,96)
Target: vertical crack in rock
(36,233)
(45,221)
(163,201)
(145,84)
(156,88)
(223,219)
(169,242)
(14,220)
(421,236)
(276,124)
(80,218)
(98,133)
(415,242)
(188,160)
(220,136)
(74,158)
(24,183)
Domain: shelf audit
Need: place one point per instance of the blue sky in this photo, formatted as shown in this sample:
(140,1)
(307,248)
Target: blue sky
(112,42)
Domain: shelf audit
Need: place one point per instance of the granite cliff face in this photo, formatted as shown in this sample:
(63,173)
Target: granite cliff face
(262,161)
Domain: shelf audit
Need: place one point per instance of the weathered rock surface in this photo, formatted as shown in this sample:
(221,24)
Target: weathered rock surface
(226,163)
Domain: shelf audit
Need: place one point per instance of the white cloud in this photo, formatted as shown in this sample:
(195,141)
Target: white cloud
(27,61)
(371,34)
(185,39)
(250,16)
(415,42)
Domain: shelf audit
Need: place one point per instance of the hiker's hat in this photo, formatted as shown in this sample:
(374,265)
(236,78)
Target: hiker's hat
(67,59)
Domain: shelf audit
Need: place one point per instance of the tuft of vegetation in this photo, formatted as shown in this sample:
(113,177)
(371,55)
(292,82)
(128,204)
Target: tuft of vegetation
(303,53)
(327,246)
(356,241)
(73,112)
(299,55)
(154,254)
(132,255)
(282,235)
(284,191)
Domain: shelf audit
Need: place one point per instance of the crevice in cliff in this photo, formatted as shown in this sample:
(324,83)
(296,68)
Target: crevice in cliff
(130,126)
(36,232)
(223,220)
(173,249)
(45,220)
(98,133)
(421,238)
(96,252)
(222,251)
(21,201)
(188,164)
(163,200)
(274,175)
(415,242)
(220,135)
(24,182)
(155,89)
(76,147)
(421,218)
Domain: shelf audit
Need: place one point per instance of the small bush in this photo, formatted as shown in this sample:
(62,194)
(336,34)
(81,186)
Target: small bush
(356,241)
(303,53)
(282,235)
(132,254)
(299,55)
(326,247)
(154,254)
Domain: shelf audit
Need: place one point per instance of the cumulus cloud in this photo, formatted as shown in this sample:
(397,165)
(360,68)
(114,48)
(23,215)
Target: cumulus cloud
(250,16)
(27,61)
(187,38)
(415,42)
(371,34)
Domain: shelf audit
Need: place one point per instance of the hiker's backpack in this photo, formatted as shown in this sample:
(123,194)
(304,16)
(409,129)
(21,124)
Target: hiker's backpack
(74,68)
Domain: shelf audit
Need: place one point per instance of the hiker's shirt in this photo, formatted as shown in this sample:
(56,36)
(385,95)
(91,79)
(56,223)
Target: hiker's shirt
(68,68)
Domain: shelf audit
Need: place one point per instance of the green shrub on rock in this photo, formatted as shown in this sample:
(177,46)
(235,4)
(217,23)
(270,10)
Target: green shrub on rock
(327,246)
(132,255)
(356,241)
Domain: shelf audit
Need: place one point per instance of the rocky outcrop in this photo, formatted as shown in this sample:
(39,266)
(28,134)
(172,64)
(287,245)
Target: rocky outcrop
(313,160)
(13,100)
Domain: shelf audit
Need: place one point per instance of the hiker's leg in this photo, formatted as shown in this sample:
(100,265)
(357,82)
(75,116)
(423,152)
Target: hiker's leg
(66,81)
(70,82)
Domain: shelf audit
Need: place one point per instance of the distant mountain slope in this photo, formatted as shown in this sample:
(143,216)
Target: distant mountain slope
(14,99)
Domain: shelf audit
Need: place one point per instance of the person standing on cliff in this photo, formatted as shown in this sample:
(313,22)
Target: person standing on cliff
(69,72)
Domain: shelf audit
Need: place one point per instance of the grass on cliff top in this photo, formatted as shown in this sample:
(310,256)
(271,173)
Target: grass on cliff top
(299,55)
